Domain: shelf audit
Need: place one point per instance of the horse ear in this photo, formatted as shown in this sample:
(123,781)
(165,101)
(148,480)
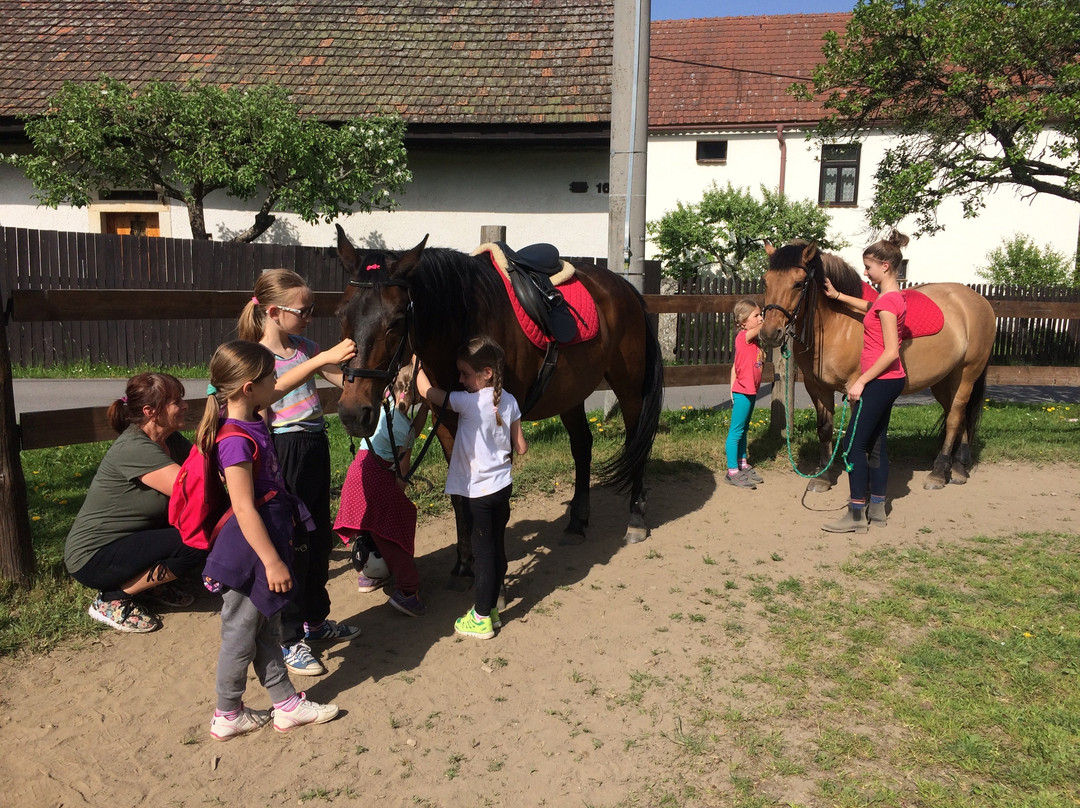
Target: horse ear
(809,253)
(769,248)
(346,251)
(407,263)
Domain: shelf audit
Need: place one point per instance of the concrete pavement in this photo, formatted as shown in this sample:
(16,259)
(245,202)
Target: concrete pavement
(36,395)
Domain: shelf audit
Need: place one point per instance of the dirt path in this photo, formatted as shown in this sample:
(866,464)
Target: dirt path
(548,713)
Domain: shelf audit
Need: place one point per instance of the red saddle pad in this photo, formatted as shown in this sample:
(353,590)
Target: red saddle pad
(923,318)
(583,310)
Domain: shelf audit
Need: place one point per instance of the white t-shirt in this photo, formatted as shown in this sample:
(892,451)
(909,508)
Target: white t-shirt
(480,462)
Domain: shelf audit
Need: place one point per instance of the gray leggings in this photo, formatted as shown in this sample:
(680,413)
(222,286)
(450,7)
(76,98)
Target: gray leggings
(248,636)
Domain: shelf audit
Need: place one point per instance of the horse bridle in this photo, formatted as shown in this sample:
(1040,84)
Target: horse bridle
(791,316)
(386,376)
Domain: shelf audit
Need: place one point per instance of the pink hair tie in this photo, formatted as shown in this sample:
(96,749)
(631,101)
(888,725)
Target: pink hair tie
(372,267)
(255,300)
(124,399)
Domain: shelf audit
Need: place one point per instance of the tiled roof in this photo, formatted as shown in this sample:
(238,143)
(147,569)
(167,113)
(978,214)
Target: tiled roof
(734,71)
(433,61)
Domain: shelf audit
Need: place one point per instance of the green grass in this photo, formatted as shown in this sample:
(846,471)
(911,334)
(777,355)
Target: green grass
(35,619)
(954,685)
(86,369)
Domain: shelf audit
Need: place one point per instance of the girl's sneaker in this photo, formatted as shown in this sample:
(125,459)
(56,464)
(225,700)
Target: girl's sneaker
(247,720)
(306,712)
(408,604)
(739,480)
(752,474)
(329,631)
(124,615)
(366,584)
(472,626)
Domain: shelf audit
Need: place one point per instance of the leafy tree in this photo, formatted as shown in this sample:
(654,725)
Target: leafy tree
(188,141)
(982,93)
(726,230)
(1020,261)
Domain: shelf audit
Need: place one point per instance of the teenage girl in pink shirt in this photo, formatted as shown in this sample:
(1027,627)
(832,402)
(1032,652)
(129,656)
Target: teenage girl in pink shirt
(879,384)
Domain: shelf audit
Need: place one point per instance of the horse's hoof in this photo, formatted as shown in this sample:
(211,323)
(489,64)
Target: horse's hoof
(934,484)
(959,476)
(818,486)
(635,535)
(955,480)
(459,583)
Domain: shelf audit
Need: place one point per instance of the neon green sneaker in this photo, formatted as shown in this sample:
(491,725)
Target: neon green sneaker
(472,626)
(495,621)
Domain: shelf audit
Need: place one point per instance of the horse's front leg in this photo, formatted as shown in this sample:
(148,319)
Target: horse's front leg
(461,576)
(824,406)
(581,441)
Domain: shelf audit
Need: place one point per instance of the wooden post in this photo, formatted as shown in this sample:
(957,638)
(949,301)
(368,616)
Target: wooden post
(492,232)
(783,395)
(16,545)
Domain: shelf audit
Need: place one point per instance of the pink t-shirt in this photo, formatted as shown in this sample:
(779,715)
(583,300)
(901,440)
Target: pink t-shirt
(874,341)
(748,364)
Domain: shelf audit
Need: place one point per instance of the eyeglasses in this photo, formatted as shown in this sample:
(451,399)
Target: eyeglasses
(305,313)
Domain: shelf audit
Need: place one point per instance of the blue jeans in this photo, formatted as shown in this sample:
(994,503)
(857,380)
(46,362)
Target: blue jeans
(742,410)
(870,421)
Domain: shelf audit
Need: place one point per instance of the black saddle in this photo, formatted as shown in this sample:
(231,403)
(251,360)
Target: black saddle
(530,270)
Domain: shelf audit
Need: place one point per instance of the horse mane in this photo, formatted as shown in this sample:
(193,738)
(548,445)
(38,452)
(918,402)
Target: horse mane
(843,276)
(451,291)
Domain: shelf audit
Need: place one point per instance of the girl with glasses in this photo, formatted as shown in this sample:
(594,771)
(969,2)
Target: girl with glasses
(276,316)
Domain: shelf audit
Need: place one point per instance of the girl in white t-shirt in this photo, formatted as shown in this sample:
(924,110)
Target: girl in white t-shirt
(489,430)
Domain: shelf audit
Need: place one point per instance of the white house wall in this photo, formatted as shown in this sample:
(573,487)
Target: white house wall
(454,194)
(754,158)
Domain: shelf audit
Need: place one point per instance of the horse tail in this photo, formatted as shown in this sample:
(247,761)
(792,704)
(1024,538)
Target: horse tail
(626,468)
(974,410)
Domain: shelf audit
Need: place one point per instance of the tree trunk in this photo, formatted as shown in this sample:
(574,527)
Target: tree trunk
(198,220)
(16,544)
(263,221)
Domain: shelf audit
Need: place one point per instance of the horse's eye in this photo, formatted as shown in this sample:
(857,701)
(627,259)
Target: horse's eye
(800,285)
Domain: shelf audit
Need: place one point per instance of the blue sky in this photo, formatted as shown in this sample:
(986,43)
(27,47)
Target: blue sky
(681,9)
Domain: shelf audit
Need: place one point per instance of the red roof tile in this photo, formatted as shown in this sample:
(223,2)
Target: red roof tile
(467,61)
(734,71)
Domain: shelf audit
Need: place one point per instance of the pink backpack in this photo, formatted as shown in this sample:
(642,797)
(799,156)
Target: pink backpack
(199,506)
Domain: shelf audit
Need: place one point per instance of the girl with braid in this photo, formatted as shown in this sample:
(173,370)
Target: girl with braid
(489,431)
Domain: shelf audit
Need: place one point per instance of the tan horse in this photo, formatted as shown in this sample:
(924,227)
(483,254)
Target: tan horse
(827,340)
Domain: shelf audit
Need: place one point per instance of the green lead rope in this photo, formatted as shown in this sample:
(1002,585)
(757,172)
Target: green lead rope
(788,381)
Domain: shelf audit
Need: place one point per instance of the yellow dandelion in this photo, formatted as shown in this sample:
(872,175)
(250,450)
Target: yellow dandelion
(1027,633)
(682,418)
(63,502)
(601,429)
(593,420)
(78,474)
(37,472)
(37,518)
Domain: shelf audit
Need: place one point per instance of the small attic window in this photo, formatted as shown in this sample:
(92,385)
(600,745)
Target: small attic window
(712,151)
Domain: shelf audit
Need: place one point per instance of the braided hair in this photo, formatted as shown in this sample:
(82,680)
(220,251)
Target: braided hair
(483,352)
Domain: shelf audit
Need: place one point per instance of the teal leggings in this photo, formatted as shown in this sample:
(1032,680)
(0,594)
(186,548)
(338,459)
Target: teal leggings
(742,409)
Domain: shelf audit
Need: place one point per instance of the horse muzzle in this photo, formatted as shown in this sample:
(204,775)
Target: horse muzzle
(360,420)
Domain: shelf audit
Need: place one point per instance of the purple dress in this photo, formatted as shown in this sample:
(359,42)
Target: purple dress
(231,561)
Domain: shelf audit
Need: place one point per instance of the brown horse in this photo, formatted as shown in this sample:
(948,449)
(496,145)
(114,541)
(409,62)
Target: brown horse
(430,301)
(827,340)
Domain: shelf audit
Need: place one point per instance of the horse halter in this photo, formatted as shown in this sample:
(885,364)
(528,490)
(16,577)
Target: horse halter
(800,304)
(386,376)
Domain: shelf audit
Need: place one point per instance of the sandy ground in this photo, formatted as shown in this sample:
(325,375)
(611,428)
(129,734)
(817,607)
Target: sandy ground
(541,715)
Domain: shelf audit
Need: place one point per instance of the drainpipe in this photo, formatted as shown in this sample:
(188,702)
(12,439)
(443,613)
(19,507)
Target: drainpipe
(783,155)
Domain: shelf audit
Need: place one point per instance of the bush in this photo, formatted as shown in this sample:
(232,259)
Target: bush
(1021,262)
